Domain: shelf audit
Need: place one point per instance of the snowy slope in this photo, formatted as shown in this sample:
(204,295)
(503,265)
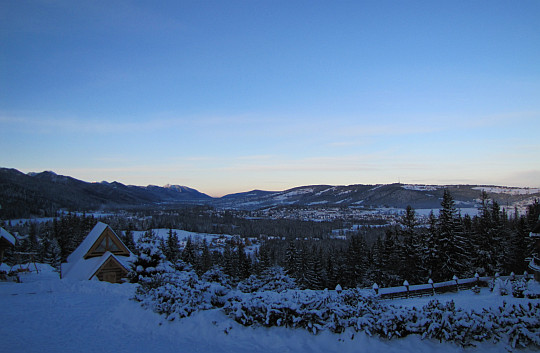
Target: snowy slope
(46,314)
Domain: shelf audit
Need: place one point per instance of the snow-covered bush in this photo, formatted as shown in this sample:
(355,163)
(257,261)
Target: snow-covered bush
(272,279)
(533,290)
(179,294)
(357,310)
(518,287)
(219,285)
(520,324)
(502,287)
(217,275)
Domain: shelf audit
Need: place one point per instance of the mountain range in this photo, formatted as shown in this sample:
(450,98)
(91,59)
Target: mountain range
(35,194)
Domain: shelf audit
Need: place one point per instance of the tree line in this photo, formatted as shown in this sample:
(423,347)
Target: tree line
(450,244)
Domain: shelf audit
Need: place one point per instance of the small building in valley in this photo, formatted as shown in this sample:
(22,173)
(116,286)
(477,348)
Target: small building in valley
(101,255)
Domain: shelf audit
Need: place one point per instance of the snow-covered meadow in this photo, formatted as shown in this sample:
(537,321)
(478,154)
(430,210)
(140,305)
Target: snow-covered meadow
(46,314)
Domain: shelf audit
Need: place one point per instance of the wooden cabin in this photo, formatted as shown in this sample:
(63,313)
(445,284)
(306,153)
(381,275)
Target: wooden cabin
(101,256)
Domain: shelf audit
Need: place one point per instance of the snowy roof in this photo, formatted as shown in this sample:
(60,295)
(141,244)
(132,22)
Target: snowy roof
(5,234)
(77,267)
(86,269)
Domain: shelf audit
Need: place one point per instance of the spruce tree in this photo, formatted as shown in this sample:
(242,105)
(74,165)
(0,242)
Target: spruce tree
(205,262)
(451,243)
(128,239)
(291,259)
(172,247)
(411,266)
(243,263)
(150,263)
(188,254)
(52,253)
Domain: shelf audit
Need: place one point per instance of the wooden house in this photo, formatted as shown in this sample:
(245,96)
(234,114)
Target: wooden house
(101,255)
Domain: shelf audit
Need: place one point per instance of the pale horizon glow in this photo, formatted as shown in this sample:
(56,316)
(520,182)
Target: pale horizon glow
(228,97)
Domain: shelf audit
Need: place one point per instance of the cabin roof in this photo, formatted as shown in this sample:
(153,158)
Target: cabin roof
(8,237)
(79,267)
(86,269)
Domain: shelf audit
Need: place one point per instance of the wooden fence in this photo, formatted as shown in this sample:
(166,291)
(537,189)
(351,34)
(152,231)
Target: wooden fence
(429,289)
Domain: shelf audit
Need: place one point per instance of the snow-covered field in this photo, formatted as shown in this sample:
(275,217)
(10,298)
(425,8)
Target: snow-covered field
(183,235)
(46,314)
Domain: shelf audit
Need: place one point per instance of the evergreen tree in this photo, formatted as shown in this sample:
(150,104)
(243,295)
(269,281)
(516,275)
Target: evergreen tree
(188,254)
(291,260)
(243,263)
(205,262)
(451,243)
(411,264)
(150,263)
(356,261)
(228,261)
(127,238)
(172,247)
(312,278)
(52,254)
(431,253)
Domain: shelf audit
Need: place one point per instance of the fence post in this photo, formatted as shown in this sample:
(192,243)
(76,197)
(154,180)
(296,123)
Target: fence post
(430,281)
(455,278)
(406,284)
(376,288)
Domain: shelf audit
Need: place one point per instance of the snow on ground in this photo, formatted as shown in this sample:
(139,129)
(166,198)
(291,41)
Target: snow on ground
(214,241)
(465,299)
(46,314)
(419,187)
(183,235)
(508,190)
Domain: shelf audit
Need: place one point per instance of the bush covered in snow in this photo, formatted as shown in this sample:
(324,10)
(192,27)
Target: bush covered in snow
(357,310)
(179,294)
(268,300)
(272,279)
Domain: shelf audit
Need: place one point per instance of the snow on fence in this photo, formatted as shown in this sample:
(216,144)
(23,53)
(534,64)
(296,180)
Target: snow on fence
(431,288)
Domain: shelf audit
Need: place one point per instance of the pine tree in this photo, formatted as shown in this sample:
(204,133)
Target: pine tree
(356,261)
(205,262)
(188,254)
(52,253)
(411,266)
(243,264)
(312,278)
(431,253)
(150,263)
(452,245)
(172,247)
(128,239)
(228,261)
(291,259)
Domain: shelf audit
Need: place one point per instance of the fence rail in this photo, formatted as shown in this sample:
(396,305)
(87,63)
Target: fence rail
(422,290)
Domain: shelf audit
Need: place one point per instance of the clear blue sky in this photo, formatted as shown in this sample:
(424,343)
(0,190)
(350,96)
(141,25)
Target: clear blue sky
(229,96)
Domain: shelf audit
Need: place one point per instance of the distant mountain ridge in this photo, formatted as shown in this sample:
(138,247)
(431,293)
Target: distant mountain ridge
(377,196)
(43,193)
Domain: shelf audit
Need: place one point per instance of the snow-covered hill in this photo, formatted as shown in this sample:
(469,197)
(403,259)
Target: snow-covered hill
(46,314)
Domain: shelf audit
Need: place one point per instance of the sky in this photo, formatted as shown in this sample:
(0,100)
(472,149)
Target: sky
(230,96)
